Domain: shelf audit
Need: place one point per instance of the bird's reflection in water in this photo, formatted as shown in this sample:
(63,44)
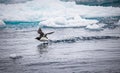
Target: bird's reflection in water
(43,48)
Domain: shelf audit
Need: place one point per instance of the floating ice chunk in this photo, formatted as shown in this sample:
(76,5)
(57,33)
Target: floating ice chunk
(78,21)
(60,21)
(15,56)
(2,23)
(74,21)
(118,23)
(95,26)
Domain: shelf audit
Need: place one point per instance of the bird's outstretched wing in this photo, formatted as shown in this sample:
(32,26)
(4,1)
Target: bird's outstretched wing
(49,33)
(40,32)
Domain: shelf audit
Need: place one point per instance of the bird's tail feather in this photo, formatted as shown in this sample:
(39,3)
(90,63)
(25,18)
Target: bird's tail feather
(38,38)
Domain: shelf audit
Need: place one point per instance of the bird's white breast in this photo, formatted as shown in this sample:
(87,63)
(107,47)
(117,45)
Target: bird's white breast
(44,39)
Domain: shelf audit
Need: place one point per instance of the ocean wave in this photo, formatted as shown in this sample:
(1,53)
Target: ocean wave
(83,38)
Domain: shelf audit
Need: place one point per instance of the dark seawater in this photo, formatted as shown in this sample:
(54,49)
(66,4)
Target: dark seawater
(114,3)
(70,50)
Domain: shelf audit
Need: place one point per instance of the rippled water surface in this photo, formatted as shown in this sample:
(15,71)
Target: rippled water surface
(71,50)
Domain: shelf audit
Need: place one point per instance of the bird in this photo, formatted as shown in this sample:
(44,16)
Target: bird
(42,36)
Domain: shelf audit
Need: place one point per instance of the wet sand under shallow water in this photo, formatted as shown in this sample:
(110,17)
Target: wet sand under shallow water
(61,56)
